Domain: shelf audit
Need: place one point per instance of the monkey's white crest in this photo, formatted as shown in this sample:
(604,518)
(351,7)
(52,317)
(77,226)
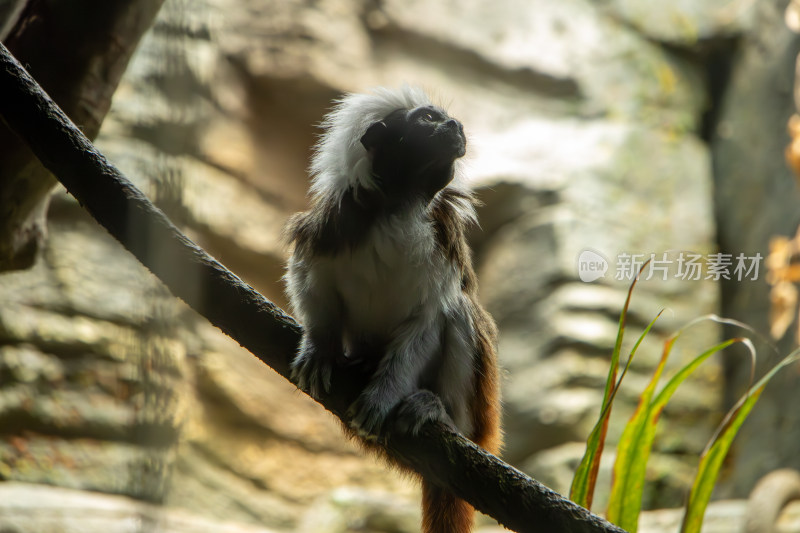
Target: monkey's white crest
(340,161)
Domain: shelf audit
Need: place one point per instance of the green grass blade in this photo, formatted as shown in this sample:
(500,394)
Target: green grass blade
(632,435)
(711,460)
(636,441)
(585,479)
(669,389)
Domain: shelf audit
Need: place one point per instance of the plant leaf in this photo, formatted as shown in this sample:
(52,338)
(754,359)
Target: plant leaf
(585,479)
(711,460)
(636,442)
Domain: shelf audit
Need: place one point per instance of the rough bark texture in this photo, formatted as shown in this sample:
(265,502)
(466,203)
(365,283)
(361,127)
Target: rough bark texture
(78,52)
(492,486)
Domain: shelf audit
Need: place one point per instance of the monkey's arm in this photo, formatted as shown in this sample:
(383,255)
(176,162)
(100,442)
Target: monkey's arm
(415,346)
(311,291)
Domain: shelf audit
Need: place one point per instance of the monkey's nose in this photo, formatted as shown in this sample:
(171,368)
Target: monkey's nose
(453,124)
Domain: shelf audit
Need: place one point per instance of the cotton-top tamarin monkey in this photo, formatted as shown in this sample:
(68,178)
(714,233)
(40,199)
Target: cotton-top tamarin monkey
(381,278)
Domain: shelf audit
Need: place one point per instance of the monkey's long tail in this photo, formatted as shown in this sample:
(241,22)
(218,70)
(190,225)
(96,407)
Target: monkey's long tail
(444,513)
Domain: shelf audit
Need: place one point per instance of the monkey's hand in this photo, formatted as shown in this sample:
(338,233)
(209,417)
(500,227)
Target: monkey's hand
(312,368)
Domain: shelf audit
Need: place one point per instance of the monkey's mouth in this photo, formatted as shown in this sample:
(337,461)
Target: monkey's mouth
(462,148)
(451,144)
(457,146)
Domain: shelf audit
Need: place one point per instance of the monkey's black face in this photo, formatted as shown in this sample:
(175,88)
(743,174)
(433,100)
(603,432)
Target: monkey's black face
(413,152)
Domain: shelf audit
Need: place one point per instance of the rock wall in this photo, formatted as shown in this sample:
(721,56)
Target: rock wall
(757,199)
(592,126)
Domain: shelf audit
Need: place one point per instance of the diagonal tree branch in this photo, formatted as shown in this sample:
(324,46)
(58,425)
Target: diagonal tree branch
(439,454)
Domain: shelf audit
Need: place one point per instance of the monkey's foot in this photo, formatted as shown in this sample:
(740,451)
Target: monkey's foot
(416,410)
(369,412)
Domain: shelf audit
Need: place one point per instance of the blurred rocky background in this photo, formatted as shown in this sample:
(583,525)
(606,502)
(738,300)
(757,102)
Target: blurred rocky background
(619,127)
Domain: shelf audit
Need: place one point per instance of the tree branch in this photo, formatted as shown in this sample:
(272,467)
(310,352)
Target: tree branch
(439,454)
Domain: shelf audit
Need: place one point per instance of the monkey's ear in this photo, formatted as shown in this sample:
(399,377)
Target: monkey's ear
(374,135)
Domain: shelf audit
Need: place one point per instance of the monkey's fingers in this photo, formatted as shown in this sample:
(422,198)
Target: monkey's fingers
(312,374)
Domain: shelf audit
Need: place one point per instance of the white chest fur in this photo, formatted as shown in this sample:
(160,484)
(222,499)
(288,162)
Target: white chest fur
(395,273)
